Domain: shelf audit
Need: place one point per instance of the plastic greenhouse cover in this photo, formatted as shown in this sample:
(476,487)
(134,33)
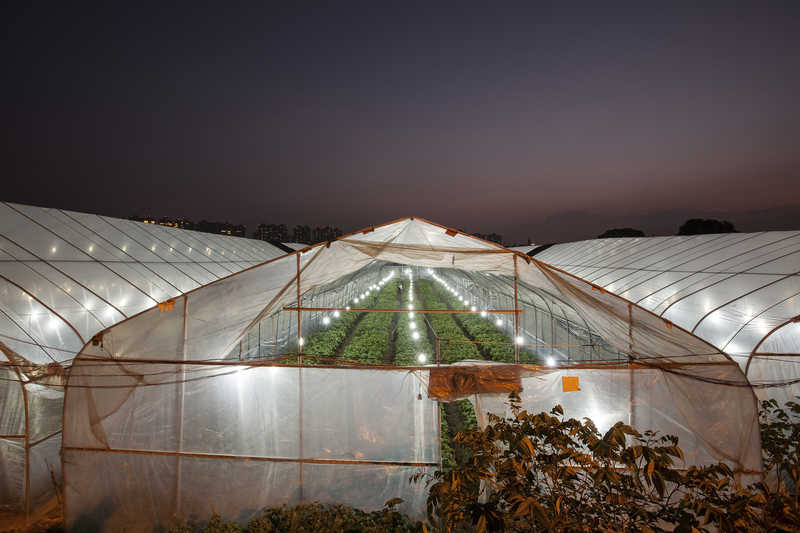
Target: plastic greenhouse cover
(147,403)
(740,292)
(64,277)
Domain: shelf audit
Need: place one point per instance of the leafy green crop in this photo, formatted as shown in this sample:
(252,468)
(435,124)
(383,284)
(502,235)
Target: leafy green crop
(481,329)
(446,327)
(371,337)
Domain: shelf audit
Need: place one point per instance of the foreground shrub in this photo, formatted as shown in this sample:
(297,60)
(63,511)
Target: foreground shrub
(545,472)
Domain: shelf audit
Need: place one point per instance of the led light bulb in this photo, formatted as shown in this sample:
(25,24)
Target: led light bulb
(301,341)
(483,314)
(411,314)
(519,340)
(422,358)
(347,307)
(412,325)
(336,314)
(326,320)
(415,335)
(473,308)
(550,361)
(498,322)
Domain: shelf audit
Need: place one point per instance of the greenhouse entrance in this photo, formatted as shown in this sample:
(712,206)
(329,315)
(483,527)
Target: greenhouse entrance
(322,376)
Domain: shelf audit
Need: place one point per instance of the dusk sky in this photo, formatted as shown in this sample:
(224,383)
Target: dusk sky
(529,119)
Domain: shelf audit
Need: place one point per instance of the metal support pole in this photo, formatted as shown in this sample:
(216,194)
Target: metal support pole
(180,392)
(299,330)
(630,360)
(516,315)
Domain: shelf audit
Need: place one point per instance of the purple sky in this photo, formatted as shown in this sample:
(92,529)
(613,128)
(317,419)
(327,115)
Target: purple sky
(525,119)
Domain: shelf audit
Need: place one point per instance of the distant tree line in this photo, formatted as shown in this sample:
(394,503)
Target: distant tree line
(693,226)
(492,237)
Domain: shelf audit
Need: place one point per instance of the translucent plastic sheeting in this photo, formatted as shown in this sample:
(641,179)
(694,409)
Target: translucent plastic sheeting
(64,276)
(732,290)
(12,480)
(714,423)
(276,335)
(221,314)
(630,329)
(785,340)
(183,438)
(12,400)
(549,326)
(777,368)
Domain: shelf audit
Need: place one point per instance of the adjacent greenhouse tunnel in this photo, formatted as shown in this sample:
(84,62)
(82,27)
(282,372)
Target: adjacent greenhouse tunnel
(64,277)
(210,403)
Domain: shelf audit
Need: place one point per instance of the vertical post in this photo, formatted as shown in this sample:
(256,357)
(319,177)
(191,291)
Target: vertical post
(27,489)
(516,314)
(438,351)
(299,331)
(630,365)
(180,391)
(299,383)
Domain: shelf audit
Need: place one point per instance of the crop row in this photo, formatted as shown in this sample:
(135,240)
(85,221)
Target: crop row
(446,327)
(407,348)
(326,341)
(481,329)
(371,337)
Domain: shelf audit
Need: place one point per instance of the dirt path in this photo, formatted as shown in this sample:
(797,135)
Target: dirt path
(455,423)
(389,356)
(349,337)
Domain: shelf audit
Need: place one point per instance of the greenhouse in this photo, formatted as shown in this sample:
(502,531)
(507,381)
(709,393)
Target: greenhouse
(319,375)
(64,277)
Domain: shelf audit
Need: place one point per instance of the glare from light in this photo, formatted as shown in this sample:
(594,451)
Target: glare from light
(336,314)
(415,335)
(301,341)
(473,308)
(410,306)
(422,358)
(519,340)
(498,322)
(53,323)
(411,314)
(550,361)
(483,314)
(347,307)
(326,320)
(355,300)
(413,325)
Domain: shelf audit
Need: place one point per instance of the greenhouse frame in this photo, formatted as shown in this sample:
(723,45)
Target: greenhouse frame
(64,277)
(221,396)
(212,402)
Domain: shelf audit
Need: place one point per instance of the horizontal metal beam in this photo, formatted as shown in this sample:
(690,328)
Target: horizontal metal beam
(424,311)
(250,457)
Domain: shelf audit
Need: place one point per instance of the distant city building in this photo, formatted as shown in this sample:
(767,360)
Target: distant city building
(302,234)
(272,232)
(320,234)
(222,228)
